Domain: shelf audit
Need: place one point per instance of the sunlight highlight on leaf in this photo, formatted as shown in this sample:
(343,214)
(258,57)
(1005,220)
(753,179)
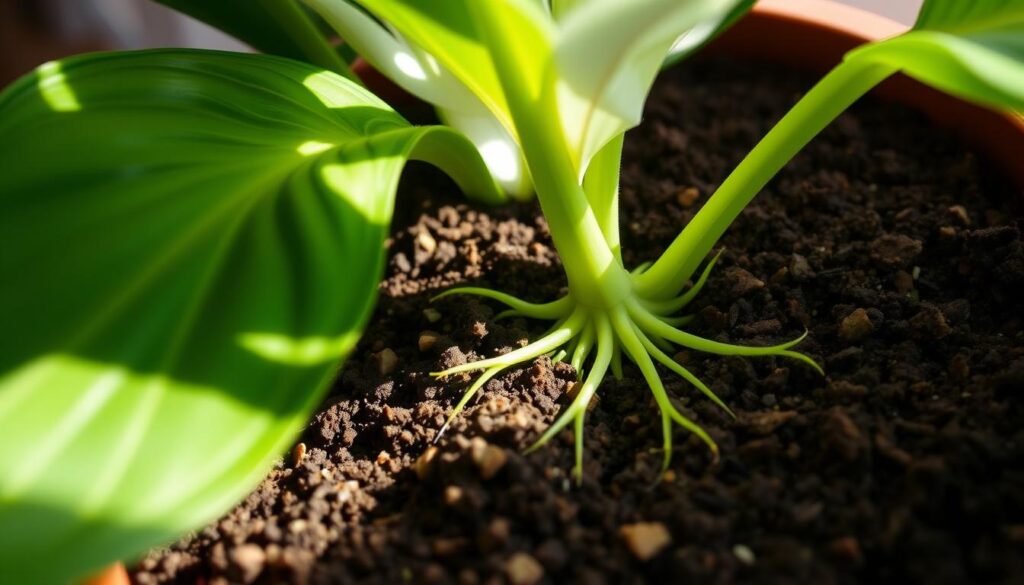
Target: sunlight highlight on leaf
(54,88)
(311,147)
(297,352)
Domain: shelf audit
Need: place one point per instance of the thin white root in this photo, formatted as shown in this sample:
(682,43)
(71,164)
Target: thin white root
(540,347)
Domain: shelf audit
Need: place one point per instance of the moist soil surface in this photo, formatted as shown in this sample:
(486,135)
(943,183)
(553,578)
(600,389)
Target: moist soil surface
(886,239)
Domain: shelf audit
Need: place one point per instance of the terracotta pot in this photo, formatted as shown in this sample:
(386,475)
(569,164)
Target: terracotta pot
(113,575)
(815,34)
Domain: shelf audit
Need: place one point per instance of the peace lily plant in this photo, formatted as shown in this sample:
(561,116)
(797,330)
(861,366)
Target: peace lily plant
(192,240)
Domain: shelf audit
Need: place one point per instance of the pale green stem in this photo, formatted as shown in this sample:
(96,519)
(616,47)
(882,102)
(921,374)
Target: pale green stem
(601,184)
(595,277)
(822,104)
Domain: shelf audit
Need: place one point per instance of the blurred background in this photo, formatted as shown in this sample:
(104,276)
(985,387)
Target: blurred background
(35,31)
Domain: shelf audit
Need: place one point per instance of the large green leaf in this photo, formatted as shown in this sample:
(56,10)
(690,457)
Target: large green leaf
(277,27)
(972,49)
(191,242)
(450,31)
(608,55)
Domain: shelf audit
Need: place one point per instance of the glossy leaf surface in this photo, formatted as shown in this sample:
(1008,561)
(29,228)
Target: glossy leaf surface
(451,32)
(973,50)
(192,241)
(608,55)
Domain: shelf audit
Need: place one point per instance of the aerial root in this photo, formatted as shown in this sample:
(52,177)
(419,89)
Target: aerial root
(520,307)
(577,410)
(467,396)
(653,325)
(627,334)
(647,334)
(550,342)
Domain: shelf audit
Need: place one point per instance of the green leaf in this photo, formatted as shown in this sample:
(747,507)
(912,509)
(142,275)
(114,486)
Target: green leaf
(417,72)
(450,32)
(608,55)
(973,50)
(277,27)
(192,241)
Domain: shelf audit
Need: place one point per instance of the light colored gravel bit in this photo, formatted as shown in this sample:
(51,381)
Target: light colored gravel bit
(428,339)
(387,361)
(687,196)
(645,539)
(743,554)
(523,569)
(424,463)
(426,241)
(298,454)
(249,560)
(488,458)
(856,326)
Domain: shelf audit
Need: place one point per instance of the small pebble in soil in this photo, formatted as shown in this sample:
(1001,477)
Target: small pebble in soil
(743,554)
(452,495)
(426,242)
(741,282)
(427,340)
(895,250)
(765,423)
(645,539)
(855,326)
(387,361)
(424,462)
(248,560)
(432,315)
(489,459)
(960,215)
(523,569)
(800,268)
(687,196)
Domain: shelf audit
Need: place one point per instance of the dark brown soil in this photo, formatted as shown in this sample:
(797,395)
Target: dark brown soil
(885,238)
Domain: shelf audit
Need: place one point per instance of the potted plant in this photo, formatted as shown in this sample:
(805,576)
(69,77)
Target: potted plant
(155,339)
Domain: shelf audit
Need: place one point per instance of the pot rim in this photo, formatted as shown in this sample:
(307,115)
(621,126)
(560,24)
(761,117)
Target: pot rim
(834,16)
